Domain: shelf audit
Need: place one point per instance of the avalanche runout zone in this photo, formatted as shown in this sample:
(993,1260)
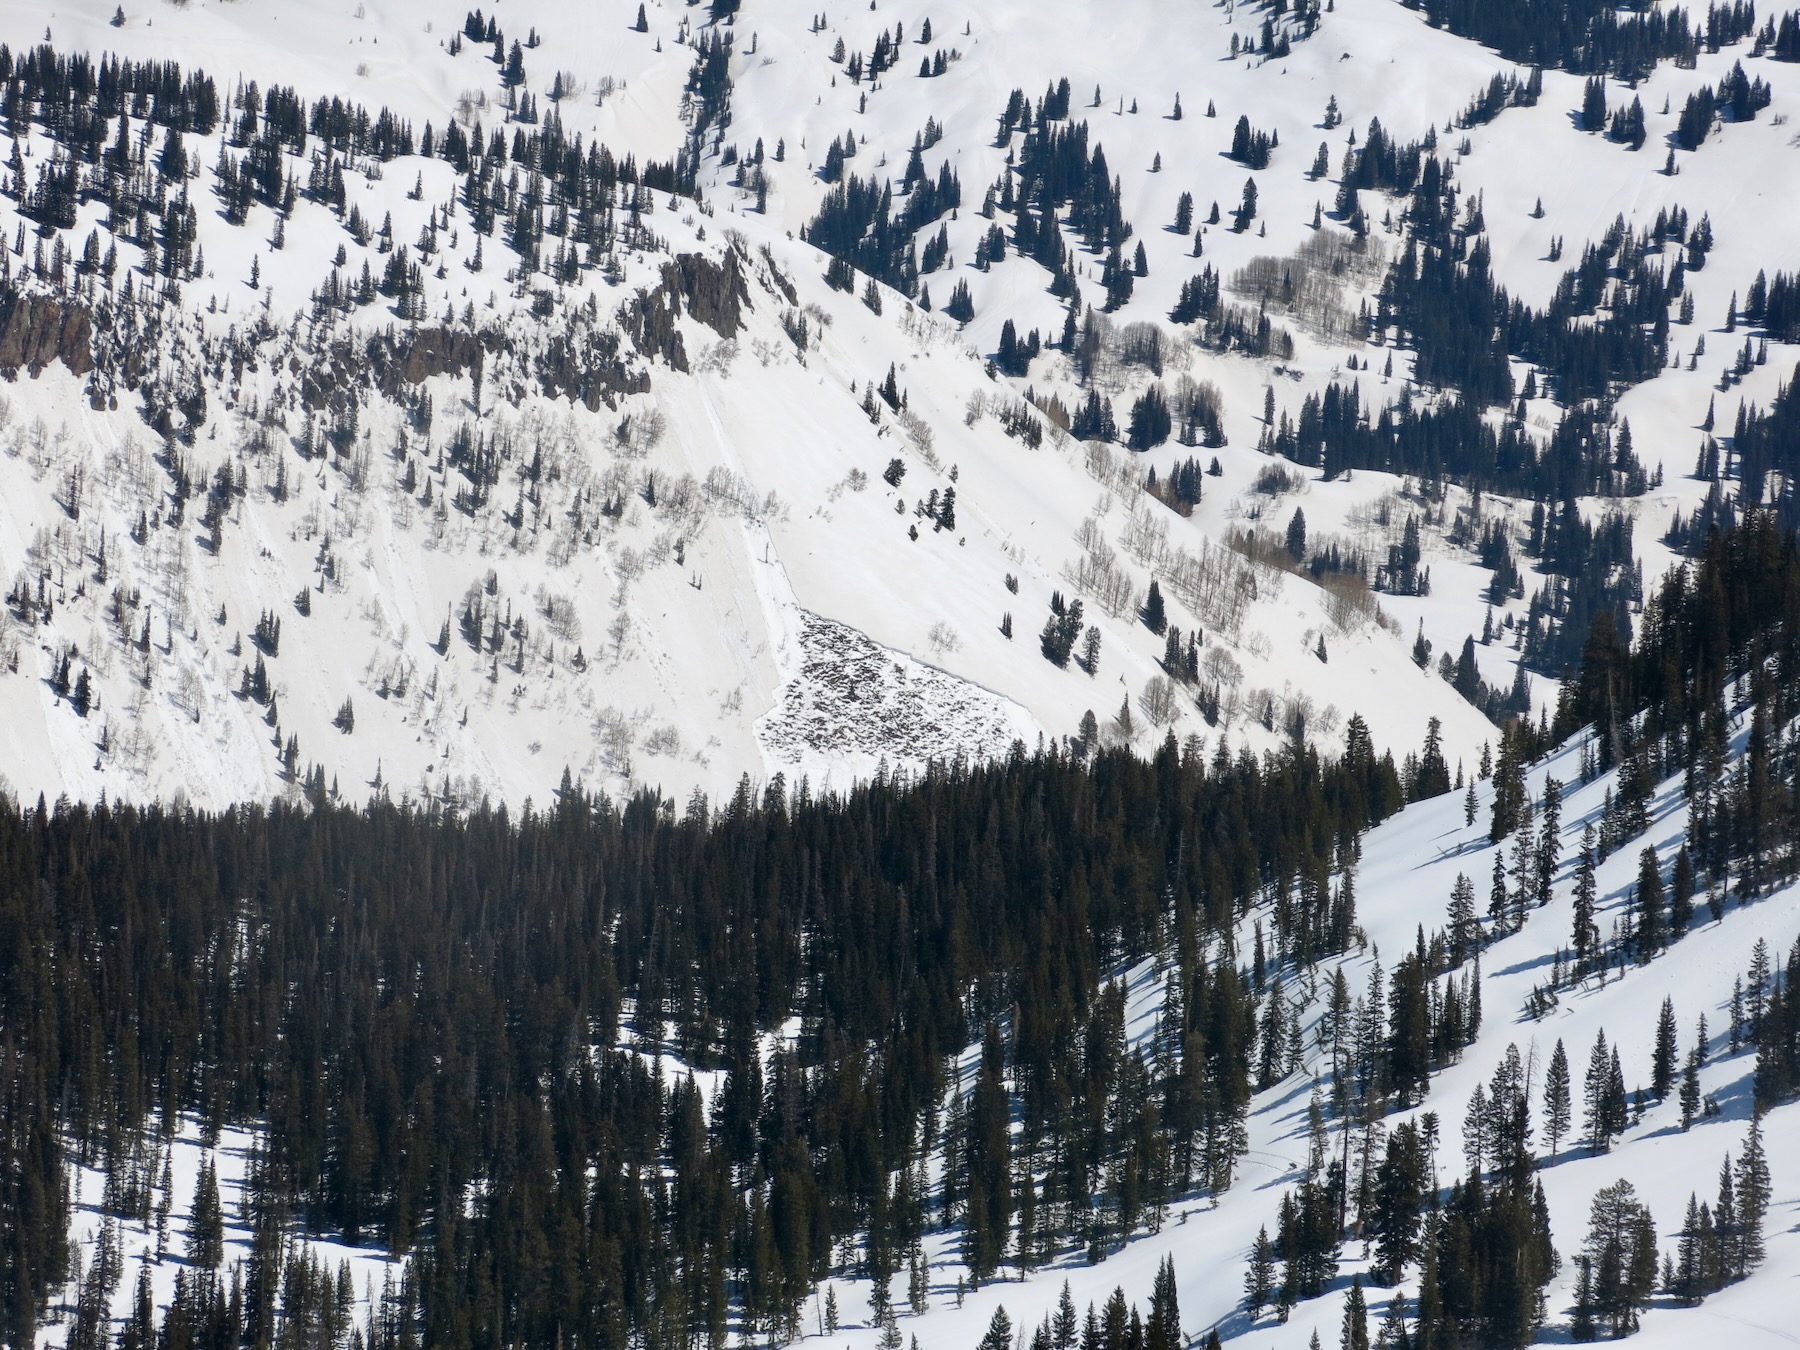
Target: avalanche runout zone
(852,696)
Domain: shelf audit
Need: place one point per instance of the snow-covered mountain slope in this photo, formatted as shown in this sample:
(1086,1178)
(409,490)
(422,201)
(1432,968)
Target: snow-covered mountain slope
(1409,868)
(671,542)
(358,493)
(1530,1003)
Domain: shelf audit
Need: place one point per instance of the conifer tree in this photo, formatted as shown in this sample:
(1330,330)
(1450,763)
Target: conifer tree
(1259,1279)
(1681,893)
(1163,1329)
(1586,935)
(1621,1247)
(988,1160)
(1400,1185)
(1509,786)
(1556,1097)
(1690,1089)
(1065,1328)
(1355,1332)
(1464,928)
(1648,927)
(206,1226)
(1155,615)
(1393,1334)
(1184,214)
(1597,1096)
(1664,1052)
(1549,848)
(999,1333)
(1752,1197)
(1582,1327)
(1296,536)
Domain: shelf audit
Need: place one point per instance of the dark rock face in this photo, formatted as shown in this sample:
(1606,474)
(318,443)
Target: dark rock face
(586,364)
(587,367)
(583,364)
(649,317)
(715,294)
(417,354)
(36,330)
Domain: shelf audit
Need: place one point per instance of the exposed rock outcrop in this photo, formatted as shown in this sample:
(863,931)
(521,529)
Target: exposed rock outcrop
(714,293)
(36,330)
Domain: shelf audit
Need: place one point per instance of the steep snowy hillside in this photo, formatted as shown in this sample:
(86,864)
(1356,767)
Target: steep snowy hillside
(1615,1007)
(614,471)
(854,426)
(1404,885)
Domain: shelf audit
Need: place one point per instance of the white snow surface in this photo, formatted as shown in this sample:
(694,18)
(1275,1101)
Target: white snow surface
(685,662)
(772,613)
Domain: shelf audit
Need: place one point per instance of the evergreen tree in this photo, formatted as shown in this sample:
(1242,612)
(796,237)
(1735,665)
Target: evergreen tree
(1648,927)
(1603,1096)
(1509,785)
(1401,1182)
(988,1163)
(1296,536)
(1621,1250)
(1355,1332)
(206,1227)
(1155,615)
(1163,1329)
(1065,1329)
(1549,849)
(1586,935)
(1752,1197)
(1690,1089)
(1681,894)
(1582,1327)
(1393,1334)
(1259,1279)
(1664,1052)
(1463,930)
(1184,214)
(1593,104)
(1150,420)
(1556,1097)
(1246,210)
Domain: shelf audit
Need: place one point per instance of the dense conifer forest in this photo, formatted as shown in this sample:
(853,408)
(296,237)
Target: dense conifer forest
(455,1084)
(491,1071)
(646,1072)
